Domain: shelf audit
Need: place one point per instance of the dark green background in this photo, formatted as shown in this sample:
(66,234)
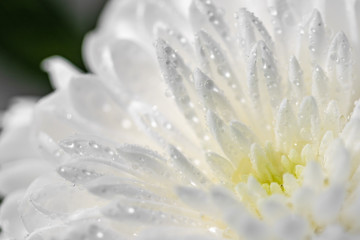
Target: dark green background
(31,31)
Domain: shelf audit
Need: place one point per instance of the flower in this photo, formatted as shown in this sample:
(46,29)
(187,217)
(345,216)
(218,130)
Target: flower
(254,138)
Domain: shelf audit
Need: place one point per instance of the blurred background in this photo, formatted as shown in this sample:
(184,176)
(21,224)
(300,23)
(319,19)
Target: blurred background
(31,31)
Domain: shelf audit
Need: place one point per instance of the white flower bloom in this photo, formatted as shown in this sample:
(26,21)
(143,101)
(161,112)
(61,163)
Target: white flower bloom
(248,129)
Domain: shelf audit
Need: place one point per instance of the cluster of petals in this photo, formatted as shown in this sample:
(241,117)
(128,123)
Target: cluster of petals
(199,119)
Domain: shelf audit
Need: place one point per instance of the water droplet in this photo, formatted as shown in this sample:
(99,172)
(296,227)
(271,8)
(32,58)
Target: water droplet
(209,84)
(99,235)
(131,210)
(69,144)
(273,11)
(153,124)
(210,13)
(182,40)
(206,138)
(93,144)
(168,126)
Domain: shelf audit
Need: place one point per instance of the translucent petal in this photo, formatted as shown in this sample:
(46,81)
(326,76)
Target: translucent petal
(195,198)
(177,76)
(60,70)
(212,97)
(317,37)
(251,30)
(337,162)
(11,224)
(273,208)
(263,79)
(215,62)
(333,118)
(286,127)
(308,118)
(44,203)
(292,227)
(222,168)
(313,175)
(28,169)
(205,15)
(188,170)
(91,231)
(226,141)
(328,204)
(339,66)
(152,121)
(150,213)
(111,188)
(143,160)
(320,87)
(16,125)
(296,80)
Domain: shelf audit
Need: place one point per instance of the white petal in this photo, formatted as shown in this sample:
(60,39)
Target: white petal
(212,97)
(337,162)
(60,70)
(273,208)
(328,204)
(11,224)
(191,173)
(28,169)
(286,127)
(293,227)
(195,198)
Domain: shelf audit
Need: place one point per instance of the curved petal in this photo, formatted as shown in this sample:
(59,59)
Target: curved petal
(10,219)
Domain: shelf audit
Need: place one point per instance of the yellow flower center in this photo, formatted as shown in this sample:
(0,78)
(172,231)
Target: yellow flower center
(270,166)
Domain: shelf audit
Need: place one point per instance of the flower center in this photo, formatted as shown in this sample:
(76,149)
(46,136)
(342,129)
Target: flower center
(271,167)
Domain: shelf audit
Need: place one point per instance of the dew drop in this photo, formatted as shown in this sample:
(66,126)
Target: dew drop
(206,138)
(153,124)
(273,11)
(93,144)
(99,235)
(182,40)
(195,119)
(131,210)
(69,144)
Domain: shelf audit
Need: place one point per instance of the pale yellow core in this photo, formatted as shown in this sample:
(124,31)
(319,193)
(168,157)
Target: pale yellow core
(269,165)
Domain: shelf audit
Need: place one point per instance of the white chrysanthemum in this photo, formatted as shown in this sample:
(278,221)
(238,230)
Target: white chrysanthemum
(250,133)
